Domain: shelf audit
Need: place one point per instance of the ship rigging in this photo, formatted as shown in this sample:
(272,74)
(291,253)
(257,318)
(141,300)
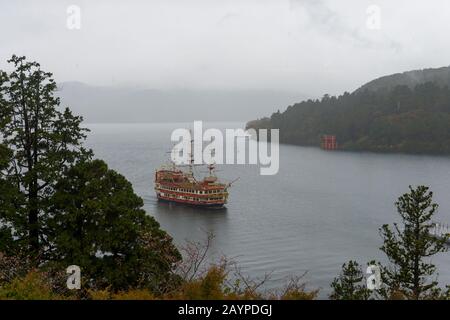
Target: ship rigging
(172,184)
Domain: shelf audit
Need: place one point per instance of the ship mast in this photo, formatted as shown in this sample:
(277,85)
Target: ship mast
(191,156)
(211,167)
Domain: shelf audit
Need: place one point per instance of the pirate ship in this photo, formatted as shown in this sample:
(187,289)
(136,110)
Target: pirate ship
(173,183)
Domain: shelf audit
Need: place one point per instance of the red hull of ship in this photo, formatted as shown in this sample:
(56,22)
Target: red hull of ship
(192,203)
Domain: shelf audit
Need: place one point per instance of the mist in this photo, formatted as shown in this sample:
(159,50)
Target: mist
(285,49)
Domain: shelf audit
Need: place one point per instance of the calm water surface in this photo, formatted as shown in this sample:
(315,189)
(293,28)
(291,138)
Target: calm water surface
(319,211)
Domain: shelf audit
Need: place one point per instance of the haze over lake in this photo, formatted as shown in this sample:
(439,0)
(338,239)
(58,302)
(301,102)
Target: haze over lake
(321,210)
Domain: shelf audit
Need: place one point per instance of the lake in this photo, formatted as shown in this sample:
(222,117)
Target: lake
(321,210)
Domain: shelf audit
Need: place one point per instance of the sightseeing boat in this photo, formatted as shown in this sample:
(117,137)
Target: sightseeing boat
(175,184)
(172,184)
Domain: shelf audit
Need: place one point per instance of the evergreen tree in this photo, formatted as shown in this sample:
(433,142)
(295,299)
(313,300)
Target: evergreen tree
(350,284)
(98,223)
(58,205)
(409,248)
(8,199)
(44,142)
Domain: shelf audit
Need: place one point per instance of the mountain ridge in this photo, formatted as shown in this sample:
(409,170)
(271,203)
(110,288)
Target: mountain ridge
(440,76)
(406,112)
(135,104)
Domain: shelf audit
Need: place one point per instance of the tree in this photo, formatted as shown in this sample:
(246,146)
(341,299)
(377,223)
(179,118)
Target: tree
(410,248)
(6,187)
(61,207)
(98,223)
(8,197)
(44,142)
(350,284)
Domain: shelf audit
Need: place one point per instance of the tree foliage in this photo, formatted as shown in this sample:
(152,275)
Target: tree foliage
(8,199)
(350,284)
(44,142)
(394,119)
(58,207)
(410,247)
(97,222)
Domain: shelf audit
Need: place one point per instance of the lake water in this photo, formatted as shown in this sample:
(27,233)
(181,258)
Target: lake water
(321,210)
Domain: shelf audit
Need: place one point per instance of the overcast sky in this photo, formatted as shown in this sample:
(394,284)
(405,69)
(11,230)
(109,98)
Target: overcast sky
(307,46)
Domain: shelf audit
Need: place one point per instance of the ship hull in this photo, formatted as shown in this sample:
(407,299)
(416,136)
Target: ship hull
(191,203)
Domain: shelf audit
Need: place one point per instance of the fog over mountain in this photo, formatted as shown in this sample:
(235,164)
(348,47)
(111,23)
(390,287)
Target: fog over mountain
(439,76)
(218,60)
(127,104)
(133,104)
(302,46)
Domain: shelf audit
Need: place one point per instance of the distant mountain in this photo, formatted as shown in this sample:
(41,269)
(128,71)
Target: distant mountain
(408,112)
(123,104)
(439,76)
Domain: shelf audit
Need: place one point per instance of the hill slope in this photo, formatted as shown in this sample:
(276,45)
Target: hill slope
(439,76)
(398,113)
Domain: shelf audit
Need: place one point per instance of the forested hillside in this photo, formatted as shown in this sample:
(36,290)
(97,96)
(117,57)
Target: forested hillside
(376,117)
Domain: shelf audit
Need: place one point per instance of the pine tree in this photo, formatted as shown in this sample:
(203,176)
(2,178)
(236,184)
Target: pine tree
(350,284)
(44,142)
(410,248)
